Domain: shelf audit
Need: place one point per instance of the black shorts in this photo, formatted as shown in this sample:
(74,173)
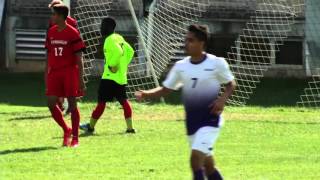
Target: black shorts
(108,90)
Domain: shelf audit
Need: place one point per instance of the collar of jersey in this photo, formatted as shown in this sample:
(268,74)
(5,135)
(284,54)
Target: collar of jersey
(196,63)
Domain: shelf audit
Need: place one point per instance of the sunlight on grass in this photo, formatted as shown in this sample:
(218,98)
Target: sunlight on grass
(256,143)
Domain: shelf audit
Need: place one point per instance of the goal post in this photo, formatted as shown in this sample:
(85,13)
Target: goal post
(143,45)
(311,94)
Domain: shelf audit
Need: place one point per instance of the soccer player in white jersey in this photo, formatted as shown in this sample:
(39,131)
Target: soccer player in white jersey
(200,75)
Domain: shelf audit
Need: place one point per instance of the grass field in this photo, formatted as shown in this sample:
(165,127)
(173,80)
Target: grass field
(269,139)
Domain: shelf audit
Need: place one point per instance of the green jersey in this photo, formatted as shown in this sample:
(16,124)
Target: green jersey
(118,55)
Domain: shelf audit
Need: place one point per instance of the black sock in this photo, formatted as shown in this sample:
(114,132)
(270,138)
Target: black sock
(215,176)
(198,175)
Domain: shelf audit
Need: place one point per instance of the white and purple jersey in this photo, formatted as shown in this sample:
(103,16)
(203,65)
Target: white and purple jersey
(201,84)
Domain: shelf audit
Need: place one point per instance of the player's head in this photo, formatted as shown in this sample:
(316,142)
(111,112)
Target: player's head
(196,39)
(60,13)
(55,2)
(108,26)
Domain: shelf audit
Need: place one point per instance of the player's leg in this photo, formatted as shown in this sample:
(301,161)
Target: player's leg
(53,91)
(127,112)
(58,117)
(75,119)
(212,172)
(197,163)
(104,95)
(60,102)
(121,96)
(95,116)
(201,144)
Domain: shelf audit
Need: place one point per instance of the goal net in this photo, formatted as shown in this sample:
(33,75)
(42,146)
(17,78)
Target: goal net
(163,26)
(269,23)
(311,96)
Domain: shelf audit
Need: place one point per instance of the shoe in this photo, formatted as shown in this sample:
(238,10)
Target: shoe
(130,131)
(86,128)
(66,137)
(74,143)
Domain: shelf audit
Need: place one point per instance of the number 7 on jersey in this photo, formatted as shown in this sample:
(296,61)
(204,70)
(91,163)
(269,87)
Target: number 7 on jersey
(195,81)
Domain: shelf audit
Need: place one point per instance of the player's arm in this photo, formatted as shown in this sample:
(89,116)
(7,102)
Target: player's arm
(228,90)
(225,77)
(129,51)
(112,52)
(78,46)
(81,70)
(218,105)
(152,93)
(172,82)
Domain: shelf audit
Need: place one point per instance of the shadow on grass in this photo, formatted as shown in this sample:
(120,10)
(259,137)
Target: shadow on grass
(40,117)
(82,135)
(284,122)
(27,150)
(28,89)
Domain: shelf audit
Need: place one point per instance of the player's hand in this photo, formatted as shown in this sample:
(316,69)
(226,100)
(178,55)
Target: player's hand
(217,106)
(113,69)
(139,95)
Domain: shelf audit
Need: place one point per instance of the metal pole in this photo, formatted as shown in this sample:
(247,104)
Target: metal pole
(149,63)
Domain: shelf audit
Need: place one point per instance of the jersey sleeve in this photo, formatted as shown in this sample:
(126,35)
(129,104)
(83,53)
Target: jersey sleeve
(77,43)
(224,73)
(173,80)
(112,52)
(72,22)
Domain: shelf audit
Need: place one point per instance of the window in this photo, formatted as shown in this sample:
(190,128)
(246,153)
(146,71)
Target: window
(290,53)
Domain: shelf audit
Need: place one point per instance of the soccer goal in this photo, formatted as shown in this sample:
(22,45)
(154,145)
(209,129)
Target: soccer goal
(159,35)
(311,96)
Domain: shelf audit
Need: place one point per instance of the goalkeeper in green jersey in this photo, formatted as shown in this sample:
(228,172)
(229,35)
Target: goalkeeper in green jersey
(118,55)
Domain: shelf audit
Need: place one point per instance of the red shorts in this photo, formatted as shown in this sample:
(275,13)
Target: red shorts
(64,83)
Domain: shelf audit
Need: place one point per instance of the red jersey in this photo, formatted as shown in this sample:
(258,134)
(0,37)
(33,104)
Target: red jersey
(69,21)
(62,47)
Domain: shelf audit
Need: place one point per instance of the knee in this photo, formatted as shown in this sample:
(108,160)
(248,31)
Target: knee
(209,168)
(127,108)
(197,160)
(51,105)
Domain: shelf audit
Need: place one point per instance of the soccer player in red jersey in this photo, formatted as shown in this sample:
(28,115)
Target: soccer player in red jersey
(74,24)
(64,71)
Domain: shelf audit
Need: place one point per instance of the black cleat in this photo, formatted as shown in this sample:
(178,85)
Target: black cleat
(86,128)
(130,131)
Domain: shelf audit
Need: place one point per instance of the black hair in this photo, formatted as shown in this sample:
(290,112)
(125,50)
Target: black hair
(108,26)
(201,32)
(61,9)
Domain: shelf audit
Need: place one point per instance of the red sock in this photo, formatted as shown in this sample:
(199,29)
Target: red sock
(75,118)
(58,117)
(127,109)
(96,114)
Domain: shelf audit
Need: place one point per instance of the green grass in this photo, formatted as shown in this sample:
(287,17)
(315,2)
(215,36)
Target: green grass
(274,140)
